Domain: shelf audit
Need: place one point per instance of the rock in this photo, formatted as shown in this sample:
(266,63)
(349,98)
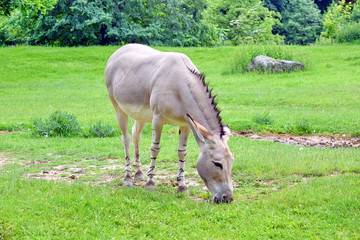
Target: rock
(267,64)
(78,170)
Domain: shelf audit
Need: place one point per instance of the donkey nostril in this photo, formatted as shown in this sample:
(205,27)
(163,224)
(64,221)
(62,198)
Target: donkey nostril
(226,198)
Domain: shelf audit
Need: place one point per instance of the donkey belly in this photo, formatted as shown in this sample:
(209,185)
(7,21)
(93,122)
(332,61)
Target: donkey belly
(141,113)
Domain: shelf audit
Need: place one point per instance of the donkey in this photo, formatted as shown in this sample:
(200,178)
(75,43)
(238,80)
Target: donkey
(160,88)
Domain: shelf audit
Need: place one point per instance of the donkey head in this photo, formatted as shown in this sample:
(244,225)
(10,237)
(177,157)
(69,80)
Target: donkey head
(215,161)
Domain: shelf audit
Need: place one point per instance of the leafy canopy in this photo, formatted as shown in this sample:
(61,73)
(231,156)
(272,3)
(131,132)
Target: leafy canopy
(301,22)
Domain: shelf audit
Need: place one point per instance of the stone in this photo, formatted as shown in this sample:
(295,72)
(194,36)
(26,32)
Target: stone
(263,63)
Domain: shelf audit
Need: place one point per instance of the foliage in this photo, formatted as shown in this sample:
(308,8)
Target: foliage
(355,14)
(28,7)
(337,14)
(348,33)
(100,130)
(92,22)
(301,22)
(59,124)
(255,25)
(276,5)
(324,4)
(243,21)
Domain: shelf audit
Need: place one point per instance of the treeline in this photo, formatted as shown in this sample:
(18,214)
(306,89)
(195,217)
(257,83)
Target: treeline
(177,22)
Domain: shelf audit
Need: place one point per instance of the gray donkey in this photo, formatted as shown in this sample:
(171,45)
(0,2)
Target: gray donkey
(166,88)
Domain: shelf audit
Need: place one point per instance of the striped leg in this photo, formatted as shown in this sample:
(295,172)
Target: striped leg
(183,139)
(155,149)
(122,119)
(136,136)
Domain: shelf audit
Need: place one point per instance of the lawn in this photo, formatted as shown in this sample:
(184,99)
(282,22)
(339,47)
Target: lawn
(281,191)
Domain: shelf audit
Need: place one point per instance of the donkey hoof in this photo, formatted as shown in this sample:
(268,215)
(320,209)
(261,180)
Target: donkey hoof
(139,176)
(150,185)
(183,189)
(128,182)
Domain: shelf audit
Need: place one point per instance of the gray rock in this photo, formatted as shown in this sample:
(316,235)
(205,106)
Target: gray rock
(267,64)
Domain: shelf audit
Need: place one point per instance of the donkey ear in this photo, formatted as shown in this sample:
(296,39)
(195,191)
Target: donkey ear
(200,132)
(227,134)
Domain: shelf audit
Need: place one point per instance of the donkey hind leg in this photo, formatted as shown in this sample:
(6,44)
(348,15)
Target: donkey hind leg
(122,119)
(136,136)
(155,149)
(183,139)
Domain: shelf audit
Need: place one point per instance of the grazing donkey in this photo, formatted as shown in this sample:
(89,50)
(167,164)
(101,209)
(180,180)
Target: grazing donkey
(166,88)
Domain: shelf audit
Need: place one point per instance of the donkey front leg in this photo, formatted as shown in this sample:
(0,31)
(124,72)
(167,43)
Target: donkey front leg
(183,139)
(155,149)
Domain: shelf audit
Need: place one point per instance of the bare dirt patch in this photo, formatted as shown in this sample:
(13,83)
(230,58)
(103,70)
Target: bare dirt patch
(110,171)
(4,160)
(307,141)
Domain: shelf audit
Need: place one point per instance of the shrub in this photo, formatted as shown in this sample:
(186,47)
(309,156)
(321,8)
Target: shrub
(349,33)
(59,124)
(100,130)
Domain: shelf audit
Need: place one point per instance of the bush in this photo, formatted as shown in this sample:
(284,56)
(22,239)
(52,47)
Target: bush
(349,33)
(59,124)
(100,130)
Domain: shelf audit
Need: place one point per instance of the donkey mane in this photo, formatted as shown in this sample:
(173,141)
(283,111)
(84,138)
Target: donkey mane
(213,103)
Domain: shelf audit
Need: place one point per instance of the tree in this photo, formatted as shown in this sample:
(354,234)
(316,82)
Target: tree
(337,14)
(91,22)
(243,21)
(276,5)
(301,22)
(324,4)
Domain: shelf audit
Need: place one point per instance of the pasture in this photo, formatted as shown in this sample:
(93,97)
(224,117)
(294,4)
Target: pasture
(69,188)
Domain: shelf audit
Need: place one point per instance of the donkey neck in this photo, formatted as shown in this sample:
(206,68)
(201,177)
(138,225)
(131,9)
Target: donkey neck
(200,104)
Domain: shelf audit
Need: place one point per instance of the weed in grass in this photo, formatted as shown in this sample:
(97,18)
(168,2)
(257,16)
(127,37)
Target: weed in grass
(59,124)
(241,125)
(5,231)
(15,127)
(100,130)
(300,127)
(263,118)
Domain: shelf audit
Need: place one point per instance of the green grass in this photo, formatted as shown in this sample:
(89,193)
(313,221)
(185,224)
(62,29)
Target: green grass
(317,209)
(281,192)
(37,81)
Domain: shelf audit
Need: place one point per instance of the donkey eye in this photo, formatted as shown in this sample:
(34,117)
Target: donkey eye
(218,164)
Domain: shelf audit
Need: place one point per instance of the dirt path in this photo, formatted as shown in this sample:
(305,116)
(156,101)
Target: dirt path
(308,141)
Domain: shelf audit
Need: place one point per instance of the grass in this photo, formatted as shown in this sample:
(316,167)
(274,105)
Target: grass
(281,192)
(325,95)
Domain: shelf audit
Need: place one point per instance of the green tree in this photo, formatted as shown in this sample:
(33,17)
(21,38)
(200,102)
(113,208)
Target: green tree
(301,22)
(90,22)
(323,4)
(355,14)
(276,5)
(337,14)
(242,21)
